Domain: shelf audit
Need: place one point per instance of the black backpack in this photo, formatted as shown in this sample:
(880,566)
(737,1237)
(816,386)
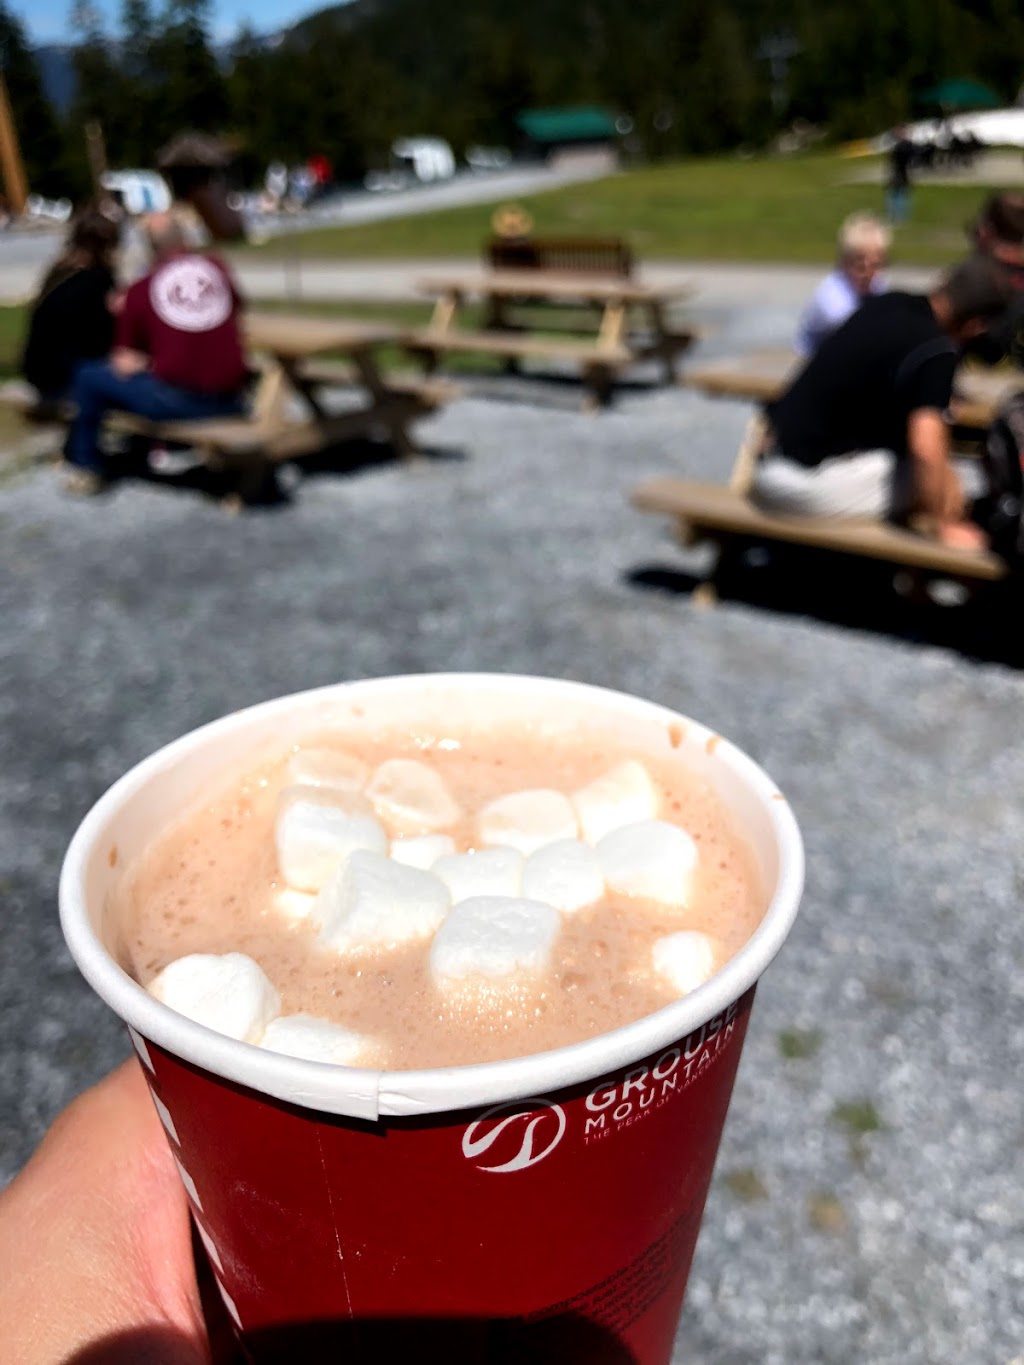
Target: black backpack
(1001,510)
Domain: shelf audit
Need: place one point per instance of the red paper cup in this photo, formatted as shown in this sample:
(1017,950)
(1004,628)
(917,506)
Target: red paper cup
(544,1208)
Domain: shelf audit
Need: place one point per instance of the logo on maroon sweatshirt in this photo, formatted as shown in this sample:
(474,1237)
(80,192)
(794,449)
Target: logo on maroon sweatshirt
(190,294)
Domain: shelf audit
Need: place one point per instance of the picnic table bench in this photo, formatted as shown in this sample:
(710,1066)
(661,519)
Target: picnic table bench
(726,517)
(601,352)
(760,376)
(286,415)
(592,255)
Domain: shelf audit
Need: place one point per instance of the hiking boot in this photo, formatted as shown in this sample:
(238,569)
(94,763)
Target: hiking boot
(85,483)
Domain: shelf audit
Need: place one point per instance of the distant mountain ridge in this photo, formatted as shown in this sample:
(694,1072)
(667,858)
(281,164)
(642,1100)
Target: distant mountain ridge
(56,61)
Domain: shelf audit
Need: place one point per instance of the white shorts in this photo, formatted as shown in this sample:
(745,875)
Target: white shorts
(866,484)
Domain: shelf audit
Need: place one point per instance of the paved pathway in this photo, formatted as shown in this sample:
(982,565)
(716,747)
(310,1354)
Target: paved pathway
(23,254)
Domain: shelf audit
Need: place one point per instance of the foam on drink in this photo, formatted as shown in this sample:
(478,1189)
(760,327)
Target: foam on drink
(213,884)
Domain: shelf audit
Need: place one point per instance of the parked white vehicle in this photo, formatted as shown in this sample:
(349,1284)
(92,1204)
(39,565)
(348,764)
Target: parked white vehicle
(52,210)
(427,158)
(488,158)
(142,191)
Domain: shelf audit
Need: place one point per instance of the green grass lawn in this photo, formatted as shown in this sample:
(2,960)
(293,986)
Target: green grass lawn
(715,209)
(12,334)
(13,321)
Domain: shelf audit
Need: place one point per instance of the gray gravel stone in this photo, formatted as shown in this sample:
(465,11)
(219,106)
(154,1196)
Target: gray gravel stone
(867,1205)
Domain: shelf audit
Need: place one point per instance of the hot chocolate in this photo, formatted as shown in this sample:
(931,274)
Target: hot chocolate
(411,900)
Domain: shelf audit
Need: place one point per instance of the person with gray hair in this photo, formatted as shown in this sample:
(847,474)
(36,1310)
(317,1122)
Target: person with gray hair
(177,356)
(864,243)
(861,431)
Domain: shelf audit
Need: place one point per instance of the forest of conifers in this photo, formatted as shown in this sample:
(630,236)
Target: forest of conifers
(692,77)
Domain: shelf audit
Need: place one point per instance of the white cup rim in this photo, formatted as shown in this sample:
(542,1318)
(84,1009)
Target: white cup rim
(369,1094)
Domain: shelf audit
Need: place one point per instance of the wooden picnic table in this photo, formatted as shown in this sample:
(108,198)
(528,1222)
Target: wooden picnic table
(607,344)
(286,415)
(727,517)
(288,380)
(760,376)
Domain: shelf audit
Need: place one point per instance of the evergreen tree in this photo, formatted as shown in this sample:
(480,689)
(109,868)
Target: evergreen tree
(191,91)
(138,84)
(39,135)
(100,96)
(691,78)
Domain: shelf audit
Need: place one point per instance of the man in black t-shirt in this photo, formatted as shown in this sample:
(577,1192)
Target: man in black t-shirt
(861,431)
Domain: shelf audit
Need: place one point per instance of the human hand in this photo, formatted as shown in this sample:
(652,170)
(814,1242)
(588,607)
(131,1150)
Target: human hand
(96,1261)
(125,363)
(963,535)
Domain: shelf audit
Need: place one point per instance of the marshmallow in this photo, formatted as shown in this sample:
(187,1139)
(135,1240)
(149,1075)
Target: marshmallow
(330,768)
(527,820)
(315,1040)
(317,830)
(566,874)
(686,959)
(422,851)
(227,992)
(652,860)
(484,872)
(622,796)
(374,902)
(494,937)
(294,905)
(412,798)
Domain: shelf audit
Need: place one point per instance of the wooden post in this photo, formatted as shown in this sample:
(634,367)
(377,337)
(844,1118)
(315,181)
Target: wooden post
(96,151)
(11,164)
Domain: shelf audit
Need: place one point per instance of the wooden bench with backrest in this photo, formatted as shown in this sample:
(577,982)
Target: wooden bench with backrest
(593,257)
(588,255)
(726,516)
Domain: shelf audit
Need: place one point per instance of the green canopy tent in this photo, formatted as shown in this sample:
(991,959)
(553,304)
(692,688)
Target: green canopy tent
(960,93)
(565,127)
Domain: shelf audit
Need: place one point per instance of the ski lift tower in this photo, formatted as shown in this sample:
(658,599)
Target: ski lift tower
(12,168)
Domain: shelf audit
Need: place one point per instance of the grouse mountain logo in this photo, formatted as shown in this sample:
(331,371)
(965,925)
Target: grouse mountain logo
(190,294)
(517,1135)
(530,1130)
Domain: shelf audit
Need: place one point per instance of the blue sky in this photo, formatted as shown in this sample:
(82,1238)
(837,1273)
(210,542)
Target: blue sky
(46,21)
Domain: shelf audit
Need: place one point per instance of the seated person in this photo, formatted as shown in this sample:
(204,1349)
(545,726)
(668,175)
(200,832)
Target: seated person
(178,353)
(861,431)
(998,232)
(864,243)
(72,319)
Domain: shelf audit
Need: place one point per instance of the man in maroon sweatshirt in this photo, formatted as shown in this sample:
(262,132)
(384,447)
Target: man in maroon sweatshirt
(177,354)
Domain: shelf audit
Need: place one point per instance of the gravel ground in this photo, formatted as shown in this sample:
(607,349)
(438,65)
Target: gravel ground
(868,1201)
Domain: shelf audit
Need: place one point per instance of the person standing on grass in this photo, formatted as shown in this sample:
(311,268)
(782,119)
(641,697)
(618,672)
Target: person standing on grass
(864,243)
(177,357)
(861,431)
(901,158)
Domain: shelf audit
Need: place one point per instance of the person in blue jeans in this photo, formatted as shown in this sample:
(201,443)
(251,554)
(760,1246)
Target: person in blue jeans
(177,356)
